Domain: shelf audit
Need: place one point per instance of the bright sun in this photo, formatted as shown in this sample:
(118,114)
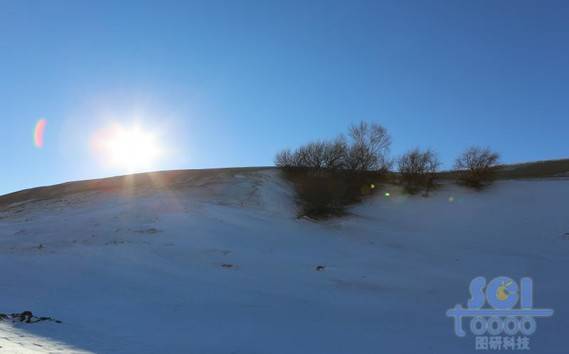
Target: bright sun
(129,148)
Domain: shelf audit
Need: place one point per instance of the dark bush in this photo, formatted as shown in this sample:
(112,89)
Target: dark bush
(476,166)
(366,151)
(325,193)
(329,175)
(369,147)
(316,155)
(285,159)
(417,170)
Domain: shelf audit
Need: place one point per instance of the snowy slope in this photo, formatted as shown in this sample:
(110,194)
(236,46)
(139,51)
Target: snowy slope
(217,263)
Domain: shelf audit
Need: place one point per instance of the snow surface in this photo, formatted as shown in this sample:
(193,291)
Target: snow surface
(222,265)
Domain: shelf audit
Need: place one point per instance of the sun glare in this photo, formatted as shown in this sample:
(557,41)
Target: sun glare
(132,149)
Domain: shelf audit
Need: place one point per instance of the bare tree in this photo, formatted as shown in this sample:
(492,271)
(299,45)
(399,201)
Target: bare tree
(285,159)
(366,151)
(311,155)
(335,154)
(323,171)
(317,155)
(476,166)
(369,147)
(418,169)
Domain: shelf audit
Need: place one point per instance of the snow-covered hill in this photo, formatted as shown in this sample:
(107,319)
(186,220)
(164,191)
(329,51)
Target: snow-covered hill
(216,262)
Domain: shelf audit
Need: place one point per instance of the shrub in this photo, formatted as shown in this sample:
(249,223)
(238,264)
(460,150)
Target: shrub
(476,166)
(325,193)
(366,151)
(316,155)
(418,169)
(369,147)
(285,159)
(328,175)
(322,154)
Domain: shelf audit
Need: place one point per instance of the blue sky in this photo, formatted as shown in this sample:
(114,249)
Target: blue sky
(229,83)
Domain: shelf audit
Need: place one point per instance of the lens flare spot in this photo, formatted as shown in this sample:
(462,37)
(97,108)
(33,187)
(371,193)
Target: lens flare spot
(39,132)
